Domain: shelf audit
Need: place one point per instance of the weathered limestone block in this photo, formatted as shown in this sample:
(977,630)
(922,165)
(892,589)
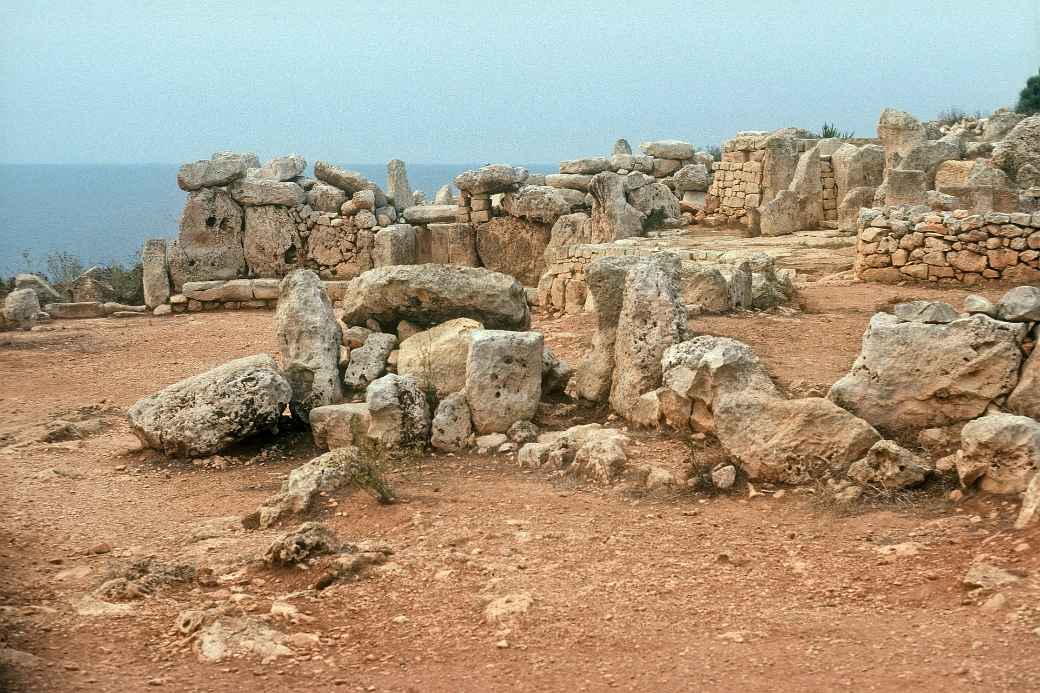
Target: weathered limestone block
(1021,148)
(898,132)
(503,378)
(21,307)
(431,214)
(271,242)
(791,441)
(349,182)
(400,413)
(889,466)
(281,169)
(704,289)
(621,146)
(220,169)
(45,293)
(204,414)
(452,427)
(340,425)
(155,275)
(654,200)
(1003,450)
(668,149)
(569,181)
(491,179)
(397,187)
(613,218)
(309,339)
(394,245)
(368,362)
(258,191)
(73,311)
(652,319)
(432,294)
(570,229)
(706,369)
(326,198)
(437,357)
(692,177)
(857,167)
(848,210)
(605,279)
(1021,304)
(588,166)
(927,156)
(513,246)
(905,187)
(541,203)
(627,162)
(453,244)
(210,242)
(912,375)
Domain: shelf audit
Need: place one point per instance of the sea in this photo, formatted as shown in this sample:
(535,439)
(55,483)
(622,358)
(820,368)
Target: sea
(102,213)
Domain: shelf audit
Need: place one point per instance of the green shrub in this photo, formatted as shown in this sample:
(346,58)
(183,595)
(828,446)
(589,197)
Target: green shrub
(63,268)
(127,282)
(829,130)
(1029,97)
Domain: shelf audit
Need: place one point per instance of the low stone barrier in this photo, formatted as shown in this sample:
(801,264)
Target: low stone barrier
(238,294)
(960,247)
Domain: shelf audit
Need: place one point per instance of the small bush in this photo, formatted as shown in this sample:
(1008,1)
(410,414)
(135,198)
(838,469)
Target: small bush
(829,130)
(63,268)
(127,282)
(951,116)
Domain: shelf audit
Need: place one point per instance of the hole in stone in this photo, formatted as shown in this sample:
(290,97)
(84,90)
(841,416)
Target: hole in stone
(211,222)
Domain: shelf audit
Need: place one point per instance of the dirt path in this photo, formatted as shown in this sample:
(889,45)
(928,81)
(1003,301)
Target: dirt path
(683,591)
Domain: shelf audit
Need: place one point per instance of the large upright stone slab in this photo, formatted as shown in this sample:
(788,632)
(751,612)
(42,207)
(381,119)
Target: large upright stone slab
(503,378)
(605,278)
(437,357)
(210,242)
(394,245)
(513,246)
(271,242)
(309,339)
(898,132)
(613,218)
(155,274)
(652,319)
(397,187)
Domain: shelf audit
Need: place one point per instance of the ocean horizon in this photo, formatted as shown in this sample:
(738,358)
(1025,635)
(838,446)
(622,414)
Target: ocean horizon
(103,213)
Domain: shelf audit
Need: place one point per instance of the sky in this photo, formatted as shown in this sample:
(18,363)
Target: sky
(461,81)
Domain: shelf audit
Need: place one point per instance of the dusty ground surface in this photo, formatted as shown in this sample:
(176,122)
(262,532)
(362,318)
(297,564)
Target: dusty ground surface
(683,591)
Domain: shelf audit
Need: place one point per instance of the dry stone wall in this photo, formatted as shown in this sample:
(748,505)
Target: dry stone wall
(959,247)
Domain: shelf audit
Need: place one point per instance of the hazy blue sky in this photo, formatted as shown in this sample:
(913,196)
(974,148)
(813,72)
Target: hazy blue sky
(146,81)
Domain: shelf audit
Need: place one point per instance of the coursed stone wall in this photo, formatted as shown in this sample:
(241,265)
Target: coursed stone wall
(959,247)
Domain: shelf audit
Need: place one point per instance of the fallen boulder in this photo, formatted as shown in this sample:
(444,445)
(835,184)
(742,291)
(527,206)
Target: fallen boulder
(204,414)
(912,375)
(1002,451)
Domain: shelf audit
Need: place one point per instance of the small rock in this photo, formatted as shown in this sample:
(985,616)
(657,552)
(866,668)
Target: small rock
(724,477)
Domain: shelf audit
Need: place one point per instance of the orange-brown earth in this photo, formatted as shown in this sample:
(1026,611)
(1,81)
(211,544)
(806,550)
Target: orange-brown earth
(681,591)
